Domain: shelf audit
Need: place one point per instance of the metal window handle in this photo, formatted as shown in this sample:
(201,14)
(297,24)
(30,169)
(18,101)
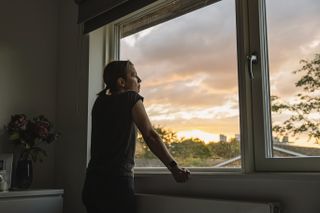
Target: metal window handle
(252,59)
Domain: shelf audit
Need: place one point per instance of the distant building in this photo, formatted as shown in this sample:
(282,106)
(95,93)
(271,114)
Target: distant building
(285,139)
(276,140)
(223,138)
(237,137)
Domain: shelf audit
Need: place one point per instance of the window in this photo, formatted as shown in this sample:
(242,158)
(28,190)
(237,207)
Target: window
(291,76)
(193,60)
(188,66)
(295,110)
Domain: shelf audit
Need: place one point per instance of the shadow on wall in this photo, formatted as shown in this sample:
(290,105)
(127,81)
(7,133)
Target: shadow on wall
(6,146)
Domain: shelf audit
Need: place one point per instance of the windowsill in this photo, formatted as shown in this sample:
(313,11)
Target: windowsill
(200,171)
(229,173)
(32,193)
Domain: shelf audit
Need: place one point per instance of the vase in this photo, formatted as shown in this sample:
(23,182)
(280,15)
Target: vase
(24,174)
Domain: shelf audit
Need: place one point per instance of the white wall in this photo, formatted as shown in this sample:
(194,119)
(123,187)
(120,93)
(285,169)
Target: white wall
(28,66)
(72,107)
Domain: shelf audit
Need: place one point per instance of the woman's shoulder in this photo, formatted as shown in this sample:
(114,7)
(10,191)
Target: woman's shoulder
(133,94)
(132,97)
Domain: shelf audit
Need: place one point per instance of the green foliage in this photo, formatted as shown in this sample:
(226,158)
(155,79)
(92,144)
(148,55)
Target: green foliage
(189,151)
(168,136)
(190,148)
(35,153)
(194,162)
(305,112)
(142,150)
(225,149)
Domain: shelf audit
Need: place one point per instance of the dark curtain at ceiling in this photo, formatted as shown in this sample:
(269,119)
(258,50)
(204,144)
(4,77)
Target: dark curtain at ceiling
(96,13)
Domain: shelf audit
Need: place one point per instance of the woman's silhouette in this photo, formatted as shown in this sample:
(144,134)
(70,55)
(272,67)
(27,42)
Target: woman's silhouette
(117,111)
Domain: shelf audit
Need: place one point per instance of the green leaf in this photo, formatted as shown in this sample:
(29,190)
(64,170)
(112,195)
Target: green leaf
(14,136)
(301,118)
(38,154)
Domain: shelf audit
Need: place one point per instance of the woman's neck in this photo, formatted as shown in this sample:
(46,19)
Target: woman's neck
(117,92)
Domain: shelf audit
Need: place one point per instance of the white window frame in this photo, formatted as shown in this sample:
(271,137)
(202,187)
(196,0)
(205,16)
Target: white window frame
(261,101)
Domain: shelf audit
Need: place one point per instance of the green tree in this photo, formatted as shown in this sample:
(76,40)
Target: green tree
(224,149)
(168,137)
(190,148)
(142,150)
(304,116)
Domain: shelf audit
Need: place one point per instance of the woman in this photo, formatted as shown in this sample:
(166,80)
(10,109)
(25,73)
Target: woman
(116,111)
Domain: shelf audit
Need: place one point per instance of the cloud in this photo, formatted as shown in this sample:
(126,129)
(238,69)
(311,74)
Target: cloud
(293,34)
(196,90)
(188,65)
(228,126)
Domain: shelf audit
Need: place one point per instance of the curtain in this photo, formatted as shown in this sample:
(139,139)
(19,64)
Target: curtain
(94,14)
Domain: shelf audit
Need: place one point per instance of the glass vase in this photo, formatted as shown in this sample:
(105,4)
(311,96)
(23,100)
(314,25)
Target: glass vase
(24,174)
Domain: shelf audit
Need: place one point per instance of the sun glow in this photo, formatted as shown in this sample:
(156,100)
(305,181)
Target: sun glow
(205,136)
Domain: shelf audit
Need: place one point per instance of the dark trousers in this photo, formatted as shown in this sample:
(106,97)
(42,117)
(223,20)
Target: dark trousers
(107,194)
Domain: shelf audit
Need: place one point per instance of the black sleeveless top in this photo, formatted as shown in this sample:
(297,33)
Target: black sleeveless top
(113,135)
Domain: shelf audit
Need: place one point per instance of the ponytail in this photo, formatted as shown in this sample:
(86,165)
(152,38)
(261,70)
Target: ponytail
(102,92)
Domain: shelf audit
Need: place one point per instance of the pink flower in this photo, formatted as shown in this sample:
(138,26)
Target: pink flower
(41,129)
(18,122)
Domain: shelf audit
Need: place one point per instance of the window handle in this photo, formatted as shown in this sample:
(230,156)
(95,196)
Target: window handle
(252,59)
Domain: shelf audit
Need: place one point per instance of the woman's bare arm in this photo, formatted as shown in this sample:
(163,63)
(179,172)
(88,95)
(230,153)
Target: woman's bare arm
(155,143)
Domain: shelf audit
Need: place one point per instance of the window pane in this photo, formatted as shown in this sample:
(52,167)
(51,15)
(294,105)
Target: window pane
(188,67)
(294,42)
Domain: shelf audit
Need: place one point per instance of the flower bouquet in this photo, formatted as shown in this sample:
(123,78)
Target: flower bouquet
(29,134)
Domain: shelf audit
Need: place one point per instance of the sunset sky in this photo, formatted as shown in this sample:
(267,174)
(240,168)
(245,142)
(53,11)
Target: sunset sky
(188,65)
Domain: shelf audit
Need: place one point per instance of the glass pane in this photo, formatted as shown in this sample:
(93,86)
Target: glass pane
(188,67)
(294,66)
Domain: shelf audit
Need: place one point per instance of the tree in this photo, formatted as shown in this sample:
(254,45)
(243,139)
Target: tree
(224,149)
(304,116)
(142,150)
(190,148)
(168,137)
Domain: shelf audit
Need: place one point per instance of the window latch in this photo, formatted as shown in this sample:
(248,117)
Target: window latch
(252,59)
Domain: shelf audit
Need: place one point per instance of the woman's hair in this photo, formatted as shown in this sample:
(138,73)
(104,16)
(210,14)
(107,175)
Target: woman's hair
(113,71)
